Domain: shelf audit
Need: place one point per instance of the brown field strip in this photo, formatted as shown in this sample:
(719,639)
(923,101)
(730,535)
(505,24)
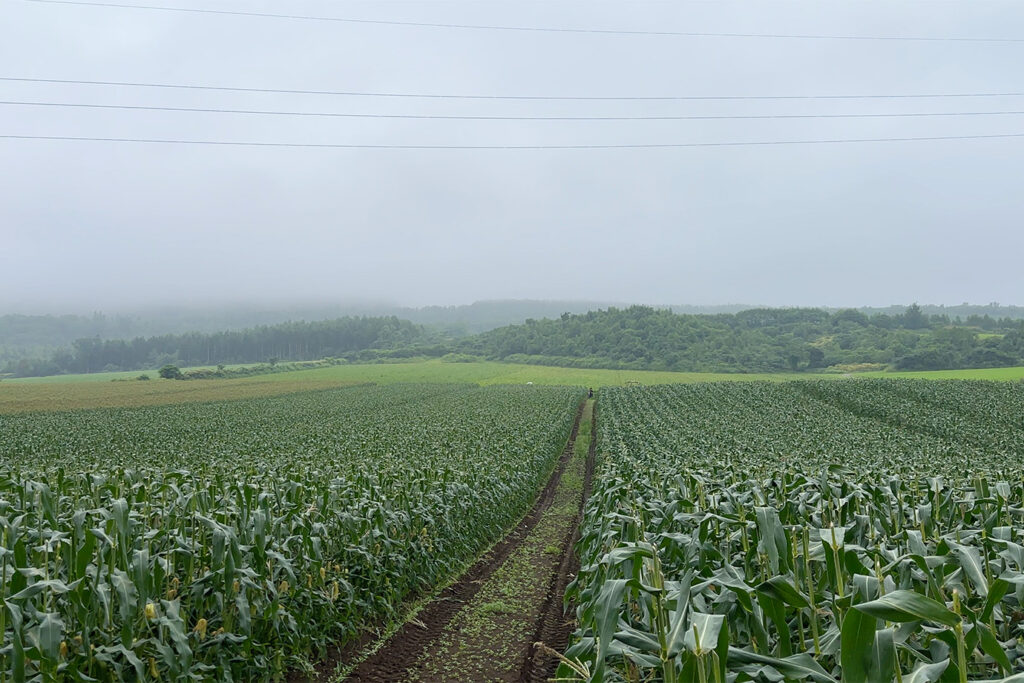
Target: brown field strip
(27,398)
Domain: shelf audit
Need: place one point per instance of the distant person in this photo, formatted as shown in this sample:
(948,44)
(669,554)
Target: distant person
(590,393)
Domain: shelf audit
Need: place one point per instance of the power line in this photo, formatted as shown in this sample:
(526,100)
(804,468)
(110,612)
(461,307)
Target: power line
(461,117)
(540,29)
(681,145)
(560,98)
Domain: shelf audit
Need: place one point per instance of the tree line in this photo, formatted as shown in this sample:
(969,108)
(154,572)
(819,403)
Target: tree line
(293,341)
(756,340)
(636,337)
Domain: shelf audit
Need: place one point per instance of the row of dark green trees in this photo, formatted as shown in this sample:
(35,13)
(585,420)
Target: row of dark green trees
(640,337)
(757,340)
(287,341)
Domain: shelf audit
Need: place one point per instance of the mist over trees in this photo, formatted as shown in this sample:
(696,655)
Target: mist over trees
(635,337)
(757,340)
(289,341)
(39,336)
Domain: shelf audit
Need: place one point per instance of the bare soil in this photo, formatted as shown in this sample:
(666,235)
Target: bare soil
(555,626)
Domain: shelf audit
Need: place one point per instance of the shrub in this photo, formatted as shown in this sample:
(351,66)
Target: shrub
(170,372)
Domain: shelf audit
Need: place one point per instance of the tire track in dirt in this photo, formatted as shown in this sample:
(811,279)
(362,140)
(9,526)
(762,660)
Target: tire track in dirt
(396,658)
(555,626)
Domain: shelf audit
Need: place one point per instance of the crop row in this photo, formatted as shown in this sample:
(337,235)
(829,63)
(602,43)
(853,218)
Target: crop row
(822,531)
(240,540)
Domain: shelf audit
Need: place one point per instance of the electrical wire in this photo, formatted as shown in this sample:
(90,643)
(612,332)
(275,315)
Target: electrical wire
(540,29)
(559,98)
(681,145)
(462,117)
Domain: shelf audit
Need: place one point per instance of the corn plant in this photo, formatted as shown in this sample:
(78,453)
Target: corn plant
(807,531)
(241,540)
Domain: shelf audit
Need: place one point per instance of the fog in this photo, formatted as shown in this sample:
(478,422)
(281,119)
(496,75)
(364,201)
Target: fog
(93,225)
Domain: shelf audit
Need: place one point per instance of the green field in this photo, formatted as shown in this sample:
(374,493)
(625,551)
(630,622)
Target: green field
(825,531)
(995,374)
(509,373)
(242,528)
(437,371)
(487,372)
(72,392)
(239,540)
(128,375)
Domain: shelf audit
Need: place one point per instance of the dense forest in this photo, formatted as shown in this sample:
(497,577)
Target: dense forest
(34,335)
(757,340)
(636,337)
(24,335)
(288,341)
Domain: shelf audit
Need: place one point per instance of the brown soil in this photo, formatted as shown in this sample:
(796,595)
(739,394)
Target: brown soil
(402,656)
(555,626)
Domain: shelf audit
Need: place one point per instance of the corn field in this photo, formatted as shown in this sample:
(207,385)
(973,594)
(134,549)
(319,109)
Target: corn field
(812,531)
(240,540)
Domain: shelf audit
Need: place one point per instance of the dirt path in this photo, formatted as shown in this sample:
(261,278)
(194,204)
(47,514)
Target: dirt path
(554,627)
(483,626)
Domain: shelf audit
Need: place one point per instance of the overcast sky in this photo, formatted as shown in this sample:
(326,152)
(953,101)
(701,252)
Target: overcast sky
(100,225)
